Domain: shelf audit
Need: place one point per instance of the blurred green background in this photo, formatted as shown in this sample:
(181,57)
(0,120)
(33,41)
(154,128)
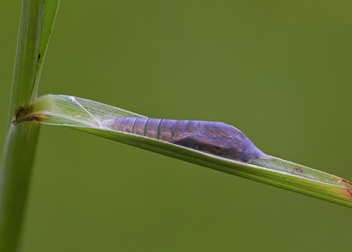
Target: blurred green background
(280,71)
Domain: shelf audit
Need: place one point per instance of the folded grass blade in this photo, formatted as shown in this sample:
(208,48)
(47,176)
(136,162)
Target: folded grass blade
(86,115)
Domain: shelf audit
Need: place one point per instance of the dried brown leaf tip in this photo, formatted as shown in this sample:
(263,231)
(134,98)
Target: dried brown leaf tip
(347,192)
(346,183)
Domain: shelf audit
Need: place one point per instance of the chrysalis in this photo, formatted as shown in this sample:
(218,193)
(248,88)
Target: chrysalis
(216,138)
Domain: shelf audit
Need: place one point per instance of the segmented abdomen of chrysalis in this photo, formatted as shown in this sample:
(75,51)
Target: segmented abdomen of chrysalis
(216,138)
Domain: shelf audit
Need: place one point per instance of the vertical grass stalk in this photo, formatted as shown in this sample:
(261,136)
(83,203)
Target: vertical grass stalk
(37,18)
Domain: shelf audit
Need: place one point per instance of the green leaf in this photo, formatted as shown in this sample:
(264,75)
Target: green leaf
(89,116)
